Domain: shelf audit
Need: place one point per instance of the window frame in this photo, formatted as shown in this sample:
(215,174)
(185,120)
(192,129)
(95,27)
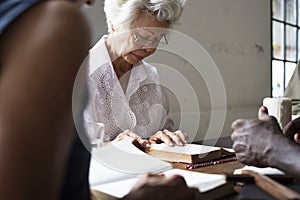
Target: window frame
(286,24)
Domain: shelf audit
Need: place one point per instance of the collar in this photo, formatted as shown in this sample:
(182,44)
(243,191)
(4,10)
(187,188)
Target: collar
(98,55)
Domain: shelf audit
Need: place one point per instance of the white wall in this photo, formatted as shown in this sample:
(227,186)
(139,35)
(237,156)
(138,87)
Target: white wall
(96,17)
(236,34)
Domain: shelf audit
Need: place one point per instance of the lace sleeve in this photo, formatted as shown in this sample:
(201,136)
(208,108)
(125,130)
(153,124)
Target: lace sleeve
(89,112)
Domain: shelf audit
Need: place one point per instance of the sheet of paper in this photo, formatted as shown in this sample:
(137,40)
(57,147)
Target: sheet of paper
(229,150)
(186,149)
(120,161)
(204,182)
(117,189)
(264,170)
(101,174)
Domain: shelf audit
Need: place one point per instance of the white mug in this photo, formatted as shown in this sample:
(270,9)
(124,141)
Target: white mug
(280,108)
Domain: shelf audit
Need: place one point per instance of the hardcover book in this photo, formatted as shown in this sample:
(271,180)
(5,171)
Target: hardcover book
(189,153)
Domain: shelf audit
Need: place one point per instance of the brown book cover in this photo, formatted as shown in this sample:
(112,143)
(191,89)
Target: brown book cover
(189,153)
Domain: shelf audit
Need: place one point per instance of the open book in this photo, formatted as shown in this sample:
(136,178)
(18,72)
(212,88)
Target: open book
(189,153)
(116,168)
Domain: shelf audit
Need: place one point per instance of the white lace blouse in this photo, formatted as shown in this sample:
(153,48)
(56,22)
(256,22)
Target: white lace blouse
(143,108)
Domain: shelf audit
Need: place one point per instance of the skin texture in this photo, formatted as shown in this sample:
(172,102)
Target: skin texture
(40,54)
(132,53)
(260,142)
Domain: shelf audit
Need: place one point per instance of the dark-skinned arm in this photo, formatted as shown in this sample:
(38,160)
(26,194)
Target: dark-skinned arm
(40,55)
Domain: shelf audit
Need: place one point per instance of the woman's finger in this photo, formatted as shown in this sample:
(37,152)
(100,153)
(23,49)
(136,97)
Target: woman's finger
(182,135)
(166,139)
(175,138)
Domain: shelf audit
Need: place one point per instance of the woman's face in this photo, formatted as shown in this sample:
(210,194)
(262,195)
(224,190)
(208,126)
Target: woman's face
(143,38)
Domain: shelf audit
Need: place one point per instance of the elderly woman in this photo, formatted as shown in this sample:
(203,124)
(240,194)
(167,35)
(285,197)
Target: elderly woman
(125,91)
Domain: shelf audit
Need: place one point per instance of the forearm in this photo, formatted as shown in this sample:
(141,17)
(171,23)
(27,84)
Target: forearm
(32,159)
(38,68)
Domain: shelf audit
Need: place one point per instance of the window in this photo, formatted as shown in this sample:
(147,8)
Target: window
(285,42)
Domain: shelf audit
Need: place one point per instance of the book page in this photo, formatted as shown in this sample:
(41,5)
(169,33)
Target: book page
(204,182)
(101,174)
(230,150)
(263,170)
(122,160)
(192,149)
(117,189)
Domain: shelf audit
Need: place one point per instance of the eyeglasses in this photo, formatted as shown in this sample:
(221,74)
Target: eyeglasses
(145,41)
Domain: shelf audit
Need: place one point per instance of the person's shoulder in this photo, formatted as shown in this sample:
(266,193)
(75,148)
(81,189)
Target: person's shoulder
(60,16)
(57,8)
(57,24)
(152,73)
(150,68)
(56,31)
(48,20)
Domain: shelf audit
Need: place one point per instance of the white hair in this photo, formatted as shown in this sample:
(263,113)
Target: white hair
(126,11)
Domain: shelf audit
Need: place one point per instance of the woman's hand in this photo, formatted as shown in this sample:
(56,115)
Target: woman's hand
(292,130)
(170,138)
(129,134)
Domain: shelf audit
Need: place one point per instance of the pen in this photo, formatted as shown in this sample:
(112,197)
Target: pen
(209,163)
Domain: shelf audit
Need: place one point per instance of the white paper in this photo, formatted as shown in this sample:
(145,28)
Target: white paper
(122,160)
(204,182)
(117,189)
(191,149)
(229,150)
(100,174)
(264,170)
